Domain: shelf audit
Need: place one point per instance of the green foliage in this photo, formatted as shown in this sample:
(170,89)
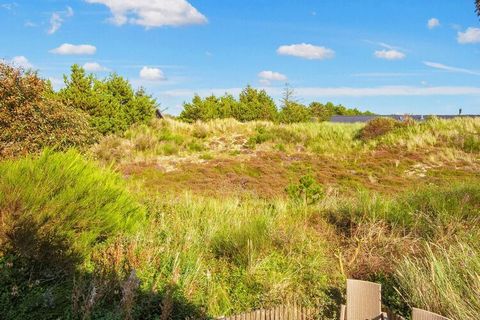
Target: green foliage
(443,280)
(56,211)
(295,112)
(255,105)
(66,196)
(112,104)
(209,108)
(262,134)
(471,143)
(323,112)
(307,190)
(32,119)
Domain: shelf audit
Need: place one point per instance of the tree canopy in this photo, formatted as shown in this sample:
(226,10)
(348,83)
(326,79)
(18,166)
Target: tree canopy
(112,103)
(255,104)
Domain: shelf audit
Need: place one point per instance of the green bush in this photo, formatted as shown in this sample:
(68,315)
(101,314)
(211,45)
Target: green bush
(255,105)
(209,108)
(262,134)
(56,210)
(471,143)
(252,105)
(294,112)
(32,119)
(323,112)
(307,190)
(66,196)
(112,104)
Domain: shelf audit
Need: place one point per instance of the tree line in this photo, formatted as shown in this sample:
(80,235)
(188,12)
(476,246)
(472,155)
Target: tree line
(255,104)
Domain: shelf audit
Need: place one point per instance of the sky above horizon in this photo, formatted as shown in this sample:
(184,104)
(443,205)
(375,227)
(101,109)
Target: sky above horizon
(389,57)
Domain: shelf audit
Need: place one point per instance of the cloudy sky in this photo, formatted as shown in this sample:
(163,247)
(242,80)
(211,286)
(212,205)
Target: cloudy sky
(388,56)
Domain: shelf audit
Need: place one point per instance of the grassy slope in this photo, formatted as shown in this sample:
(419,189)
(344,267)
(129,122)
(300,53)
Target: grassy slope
(386,198)
(223,237)
(227,157)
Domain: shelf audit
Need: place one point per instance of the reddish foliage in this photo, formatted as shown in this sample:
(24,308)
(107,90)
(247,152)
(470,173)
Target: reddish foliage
(32,119)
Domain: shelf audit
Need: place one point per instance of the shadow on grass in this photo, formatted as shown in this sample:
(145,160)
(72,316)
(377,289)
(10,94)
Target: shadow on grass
(41,278)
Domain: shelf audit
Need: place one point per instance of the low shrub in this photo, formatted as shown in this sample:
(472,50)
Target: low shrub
(308,190)
(32,119)
(56,210)
(262,135)
(378,127)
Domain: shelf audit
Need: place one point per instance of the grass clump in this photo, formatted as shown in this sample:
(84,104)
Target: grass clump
(445,280)
(56,210)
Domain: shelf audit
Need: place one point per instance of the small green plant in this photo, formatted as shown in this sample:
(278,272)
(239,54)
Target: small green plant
(280,147)
(206,156)
(262,134)
(169,149)
(307,190)
(195,146)
(471,143)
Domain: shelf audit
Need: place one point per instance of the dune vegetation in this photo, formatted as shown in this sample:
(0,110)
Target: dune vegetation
(169,219)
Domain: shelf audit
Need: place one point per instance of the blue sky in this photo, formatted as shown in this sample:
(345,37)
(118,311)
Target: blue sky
(409,56)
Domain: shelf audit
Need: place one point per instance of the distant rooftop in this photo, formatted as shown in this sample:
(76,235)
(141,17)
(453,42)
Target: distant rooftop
(352,119)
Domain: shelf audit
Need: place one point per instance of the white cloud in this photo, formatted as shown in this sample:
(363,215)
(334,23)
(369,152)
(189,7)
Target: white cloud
(55,23)
(30,24)
(471,35)
(152,13)
(94,67)
(70,49)
(57,19)
(390,54)
(9,6)
(316,92)
(152,74)
(433,23)
(22,62)
(440,66)
(306,51)
(267,76)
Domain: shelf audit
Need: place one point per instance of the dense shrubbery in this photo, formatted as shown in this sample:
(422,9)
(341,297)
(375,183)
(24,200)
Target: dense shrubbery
(254,104)
(55,210)
(31,118)
(111,103)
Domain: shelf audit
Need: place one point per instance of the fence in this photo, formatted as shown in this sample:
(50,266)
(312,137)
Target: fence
(286,312)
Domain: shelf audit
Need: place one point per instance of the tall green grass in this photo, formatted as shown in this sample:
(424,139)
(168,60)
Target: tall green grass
(445,280)
(68,195)
(56,210)
(235,255)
